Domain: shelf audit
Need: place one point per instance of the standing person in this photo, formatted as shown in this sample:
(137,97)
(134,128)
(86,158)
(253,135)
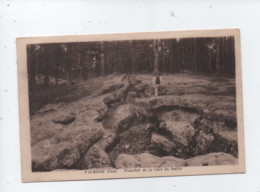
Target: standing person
(157,80)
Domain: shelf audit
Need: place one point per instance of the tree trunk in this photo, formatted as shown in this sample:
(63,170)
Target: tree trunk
(117,58)
(183,56)
(79,63)
(163,59)
(57,73)
(170,56)
(174,55)
(232,55)
(108,65)
(32,66)
(133,57)
(46,71)
(46,77)
(195,55)
(217,57)
(68,70)
(209,57)
(102,63)
(156,56)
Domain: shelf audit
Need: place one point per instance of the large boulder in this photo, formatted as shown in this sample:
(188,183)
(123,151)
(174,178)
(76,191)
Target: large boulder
(171,161)
(64,149)
(116,96)
(139,87)
(46,125)
(64,118)
(161,145)
(227,131)
(107,140)
(182,132)
(179,115)
(230,136)
(203,141)
(95,157)
(113,99)
(135,140)
(120,118)
(179,125)
(214,107)
(216,136)
(212,159)
(126,161)
(147,160)
(176,134)
(49,108)
(111,88)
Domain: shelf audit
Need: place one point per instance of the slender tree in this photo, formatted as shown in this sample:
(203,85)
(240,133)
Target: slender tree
(133,56)
(218,56)
(68,65)
(57,72)
(102,58)
(31,54)
(156,55)
(195,55)
(46,69)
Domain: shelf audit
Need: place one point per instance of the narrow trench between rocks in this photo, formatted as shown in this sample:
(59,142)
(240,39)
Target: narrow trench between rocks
(148,134)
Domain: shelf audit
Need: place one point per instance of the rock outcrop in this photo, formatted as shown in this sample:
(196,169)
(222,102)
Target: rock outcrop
(117,122)
(147,160)
(64,118)
(212,159)
(64,150)
(95,158)
(213,107)
(160,145)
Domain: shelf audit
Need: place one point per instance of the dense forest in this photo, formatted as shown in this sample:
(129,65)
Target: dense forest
(54,68)
(84,60)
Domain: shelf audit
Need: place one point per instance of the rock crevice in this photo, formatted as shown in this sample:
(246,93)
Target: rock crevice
(123,125)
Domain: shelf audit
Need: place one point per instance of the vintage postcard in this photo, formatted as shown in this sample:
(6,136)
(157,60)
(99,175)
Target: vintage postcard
(130,105)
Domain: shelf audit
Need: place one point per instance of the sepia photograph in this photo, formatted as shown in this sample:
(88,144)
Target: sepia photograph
(130,105)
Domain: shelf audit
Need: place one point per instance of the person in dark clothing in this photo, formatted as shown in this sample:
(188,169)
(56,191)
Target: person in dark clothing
(157,81)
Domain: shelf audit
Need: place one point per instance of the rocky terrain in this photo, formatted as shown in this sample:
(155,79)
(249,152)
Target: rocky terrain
(116,122)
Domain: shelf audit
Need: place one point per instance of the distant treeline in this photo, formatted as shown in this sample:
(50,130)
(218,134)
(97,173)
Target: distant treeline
(84,60)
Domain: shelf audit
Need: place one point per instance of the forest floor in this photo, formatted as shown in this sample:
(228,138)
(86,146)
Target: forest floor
(116,121)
